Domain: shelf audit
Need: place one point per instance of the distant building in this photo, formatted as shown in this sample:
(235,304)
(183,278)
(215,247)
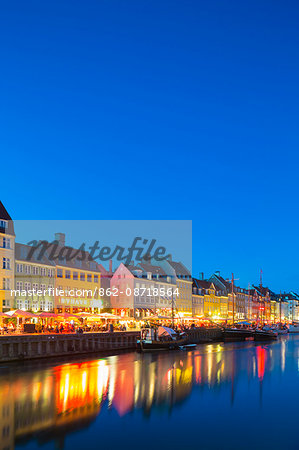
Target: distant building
(197,298)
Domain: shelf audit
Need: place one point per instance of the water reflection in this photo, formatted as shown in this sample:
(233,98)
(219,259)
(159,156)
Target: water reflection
(47,403)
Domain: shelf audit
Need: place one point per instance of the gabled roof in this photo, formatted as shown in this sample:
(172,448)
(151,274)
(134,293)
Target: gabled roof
(226,284)
(133,268)
(5,216)
(73,258)
(203,284)
(264,291)
(153,269)
(22,251)
(180,269)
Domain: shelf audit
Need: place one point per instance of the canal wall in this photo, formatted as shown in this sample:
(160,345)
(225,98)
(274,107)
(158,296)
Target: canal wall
(35,346)
(22,347)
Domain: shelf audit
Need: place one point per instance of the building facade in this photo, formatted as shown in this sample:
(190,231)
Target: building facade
(7,244)
(140,290)
(34,281)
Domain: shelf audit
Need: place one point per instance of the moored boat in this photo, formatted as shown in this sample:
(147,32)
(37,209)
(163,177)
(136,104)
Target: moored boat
(264,335)
(161,338)
(238,334)
(294,328)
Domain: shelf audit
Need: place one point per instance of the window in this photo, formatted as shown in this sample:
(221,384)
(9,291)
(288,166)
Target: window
(27,286)
(67,274)
(27,270)
(96,278)
(6,263)
(26,304)
(35,286)
(3,224)
(82,276)
(6,242)
(89,277)
(35,270)
(19,285)
(6,283)
(93,265)
(59,273)
(19,304)
(50,306)
(50,273)
(43,287)
(43,271)
(75,275)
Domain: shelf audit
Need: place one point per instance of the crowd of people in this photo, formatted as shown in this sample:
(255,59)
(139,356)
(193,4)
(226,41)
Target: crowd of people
(61,327)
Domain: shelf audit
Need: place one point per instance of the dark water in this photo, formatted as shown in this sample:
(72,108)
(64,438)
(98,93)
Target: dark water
(220,396)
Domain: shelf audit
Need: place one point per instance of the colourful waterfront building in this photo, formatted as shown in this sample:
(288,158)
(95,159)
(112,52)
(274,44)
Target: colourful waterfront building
(34,280)
(7,244)
(140,290)
(77,279)
(197,298)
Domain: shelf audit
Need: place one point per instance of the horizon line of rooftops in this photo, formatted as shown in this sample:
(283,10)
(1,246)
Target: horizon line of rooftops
(140,269)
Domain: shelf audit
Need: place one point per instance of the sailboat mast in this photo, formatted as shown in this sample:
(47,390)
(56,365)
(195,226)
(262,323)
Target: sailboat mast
(233,298)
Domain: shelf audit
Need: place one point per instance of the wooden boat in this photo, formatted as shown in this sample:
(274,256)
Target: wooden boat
(238,334)
(264,335)
(294,328)
(163,338)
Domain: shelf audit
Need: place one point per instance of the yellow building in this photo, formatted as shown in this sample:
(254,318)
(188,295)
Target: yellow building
(7,243)
(77,280)
(184,286)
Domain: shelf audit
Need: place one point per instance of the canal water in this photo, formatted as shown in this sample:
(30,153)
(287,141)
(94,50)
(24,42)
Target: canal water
(219,396)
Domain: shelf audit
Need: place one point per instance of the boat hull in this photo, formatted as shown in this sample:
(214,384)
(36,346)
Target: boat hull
(231,334)
(264,336)
(152,346)
(293,329)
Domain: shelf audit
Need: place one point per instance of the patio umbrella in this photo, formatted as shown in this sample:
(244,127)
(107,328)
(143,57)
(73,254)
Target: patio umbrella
(84,314)
(66,316)
(20,313)
(46,315)
(109,316)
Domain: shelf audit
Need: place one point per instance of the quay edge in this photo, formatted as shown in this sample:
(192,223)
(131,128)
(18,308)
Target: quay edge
(37,346)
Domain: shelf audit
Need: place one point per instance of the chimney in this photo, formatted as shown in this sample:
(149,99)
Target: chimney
(110,266)
(217,273)
(60,237)
(169,257)
(201,276)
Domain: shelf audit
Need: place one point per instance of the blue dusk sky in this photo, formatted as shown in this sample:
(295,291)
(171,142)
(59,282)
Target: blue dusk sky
(158,110)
